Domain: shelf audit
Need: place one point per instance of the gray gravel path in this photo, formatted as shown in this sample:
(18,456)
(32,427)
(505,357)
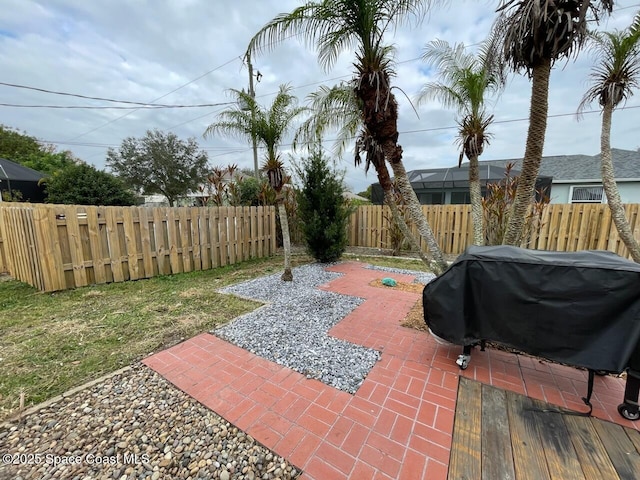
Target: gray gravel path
(291,329)
(133,426)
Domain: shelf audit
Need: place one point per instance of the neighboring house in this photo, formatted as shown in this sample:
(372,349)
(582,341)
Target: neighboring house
(577,178)
(565,178)
(450,186)
(16,178)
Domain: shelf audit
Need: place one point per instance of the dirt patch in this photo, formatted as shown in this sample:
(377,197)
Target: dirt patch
(415,317)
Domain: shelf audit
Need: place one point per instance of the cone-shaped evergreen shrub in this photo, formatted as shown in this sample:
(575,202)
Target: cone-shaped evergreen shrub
(322,209)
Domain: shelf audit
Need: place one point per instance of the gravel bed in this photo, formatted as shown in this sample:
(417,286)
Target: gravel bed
(291,329)
(421,277)
(133,426)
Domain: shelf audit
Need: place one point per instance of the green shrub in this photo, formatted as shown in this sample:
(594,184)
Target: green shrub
(322,209)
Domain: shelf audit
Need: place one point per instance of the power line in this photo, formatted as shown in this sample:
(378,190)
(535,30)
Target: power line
(404,132)
(114,107)
(172,91)
(155,100)
(103,99)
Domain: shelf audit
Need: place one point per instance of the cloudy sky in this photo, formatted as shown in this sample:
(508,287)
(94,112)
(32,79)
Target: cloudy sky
(186,52)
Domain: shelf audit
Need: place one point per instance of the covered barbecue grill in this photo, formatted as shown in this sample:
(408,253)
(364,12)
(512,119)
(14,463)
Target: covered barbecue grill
(581,309)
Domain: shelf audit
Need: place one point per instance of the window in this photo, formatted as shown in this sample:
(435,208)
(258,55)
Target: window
(460,198)
(431,198)
(587,194)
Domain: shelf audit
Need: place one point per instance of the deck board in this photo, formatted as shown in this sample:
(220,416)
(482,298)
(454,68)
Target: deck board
(497,456)
(503,435)
(466,458)
(528,454)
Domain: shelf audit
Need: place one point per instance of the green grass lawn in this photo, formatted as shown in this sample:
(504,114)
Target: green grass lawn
(51,342)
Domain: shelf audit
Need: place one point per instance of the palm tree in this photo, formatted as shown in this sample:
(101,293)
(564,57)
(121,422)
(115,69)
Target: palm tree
(536,33)
(614,77)
(360,25)
(248,120)
(465,80)
(338,108)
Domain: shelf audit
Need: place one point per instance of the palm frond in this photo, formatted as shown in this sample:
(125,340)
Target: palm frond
(464,79)
(536,31)
(336,26)
(333,108)
(616,73)
(267,125)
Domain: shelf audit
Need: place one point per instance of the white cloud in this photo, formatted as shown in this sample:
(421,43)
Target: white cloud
(142,50)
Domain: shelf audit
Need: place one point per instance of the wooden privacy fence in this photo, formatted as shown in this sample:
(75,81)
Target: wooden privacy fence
(55,247)
(564,227)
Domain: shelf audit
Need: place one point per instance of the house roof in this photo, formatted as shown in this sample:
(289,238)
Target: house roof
(626,164)
(16,172)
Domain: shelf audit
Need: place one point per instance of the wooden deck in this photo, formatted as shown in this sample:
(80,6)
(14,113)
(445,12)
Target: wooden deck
(501,435)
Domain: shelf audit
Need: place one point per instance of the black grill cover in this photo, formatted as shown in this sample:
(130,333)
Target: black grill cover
(582,308)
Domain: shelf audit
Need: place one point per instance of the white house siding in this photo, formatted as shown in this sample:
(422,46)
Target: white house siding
(559,193)
(629,191)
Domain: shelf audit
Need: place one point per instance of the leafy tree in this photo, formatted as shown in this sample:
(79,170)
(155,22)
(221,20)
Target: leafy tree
(159,163)
(247,120)
(360,26)
(15,146)
(323,209)
(464,81)
(534,35)
(615,76)
(49,163)
(83,184)
(28,151)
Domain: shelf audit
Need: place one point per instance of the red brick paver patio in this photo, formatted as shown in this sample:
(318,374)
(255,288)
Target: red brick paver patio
(399,423)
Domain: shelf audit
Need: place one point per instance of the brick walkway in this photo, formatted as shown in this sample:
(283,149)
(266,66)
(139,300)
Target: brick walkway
(399,423)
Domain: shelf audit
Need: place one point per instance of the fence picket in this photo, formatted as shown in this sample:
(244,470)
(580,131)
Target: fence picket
(130,243)
(145,243)
(203,224)
(75,246)
(196,250)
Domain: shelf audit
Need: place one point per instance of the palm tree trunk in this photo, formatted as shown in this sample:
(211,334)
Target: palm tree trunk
(380,114)
(475,192)
(611,187)
(287,276)
(533,152)
(439,265)
(389,199)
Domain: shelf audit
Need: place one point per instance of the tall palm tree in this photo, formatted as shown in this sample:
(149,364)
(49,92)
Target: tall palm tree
(535,34)
(614,77)
(247,120)
(360,25)
(338,108)
(464,81)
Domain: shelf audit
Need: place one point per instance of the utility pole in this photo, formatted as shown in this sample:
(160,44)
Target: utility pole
(252,92)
